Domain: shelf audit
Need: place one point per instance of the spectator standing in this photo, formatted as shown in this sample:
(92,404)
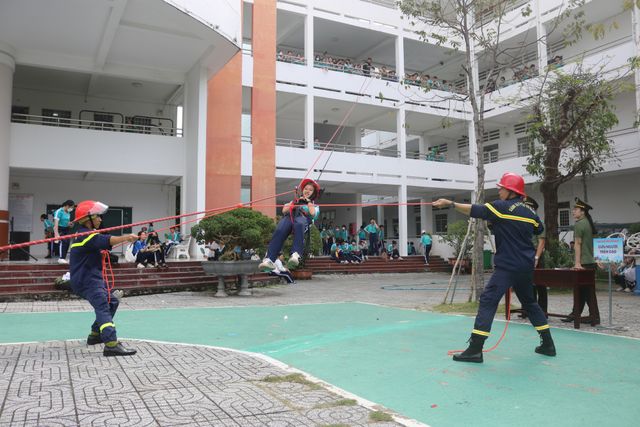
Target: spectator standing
(426,241)
(61,227)
(373,230)
(48,232)
(583,233)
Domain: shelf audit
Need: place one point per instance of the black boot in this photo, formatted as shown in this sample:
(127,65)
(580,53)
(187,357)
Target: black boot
(474,352)
(117,350)
(546,346)
(94,339)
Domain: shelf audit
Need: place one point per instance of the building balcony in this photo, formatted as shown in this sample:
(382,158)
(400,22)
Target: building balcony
(73,145)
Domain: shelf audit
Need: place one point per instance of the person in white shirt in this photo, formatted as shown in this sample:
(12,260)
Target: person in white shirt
(281,270)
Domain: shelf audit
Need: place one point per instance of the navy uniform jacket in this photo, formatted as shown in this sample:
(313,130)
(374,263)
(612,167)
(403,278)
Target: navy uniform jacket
(514,225)
(85,261)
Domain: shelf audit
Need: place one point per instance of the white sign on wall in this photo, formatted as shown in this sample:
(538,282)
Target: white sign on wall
(21,211)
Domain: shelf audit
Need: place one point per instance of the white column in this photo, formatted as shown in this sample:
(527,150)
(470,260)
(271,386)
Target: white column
(380,215)
(308,37)
(309,114)
(402,219)
(473,146)
(401,135)
(635,31)
(425,216)
(195,141)
(7,67)
(542,38)
(422,145)
(400,56)
(358,201)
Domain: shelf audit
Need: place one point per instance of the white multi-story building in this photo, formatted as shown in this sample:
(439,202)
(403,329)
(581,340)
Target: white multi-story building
(146,105)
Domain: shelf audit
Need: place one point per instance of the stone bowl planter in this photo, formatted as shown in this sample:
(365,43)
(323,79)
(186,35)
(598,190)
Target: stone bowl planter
(302,274)
(231,268)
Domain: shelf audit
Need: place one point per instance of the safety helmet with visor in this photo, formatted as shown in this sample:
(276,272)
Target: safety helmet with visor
(88,208)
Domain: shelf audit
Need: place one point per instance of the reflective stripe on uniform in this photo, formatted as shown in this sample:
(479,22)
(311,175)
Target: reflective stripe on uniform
(512,217)
(91,236)
(106,325)
(479,332)
(542,328)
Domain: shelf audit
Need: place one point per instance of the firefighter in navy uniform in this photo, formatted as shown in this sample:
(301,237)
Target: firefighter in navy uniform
(514,224)
(86,261)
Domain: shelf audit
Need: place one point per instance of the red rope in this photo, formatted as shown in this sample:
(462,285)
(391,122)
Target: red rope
(107,270)
(504,331)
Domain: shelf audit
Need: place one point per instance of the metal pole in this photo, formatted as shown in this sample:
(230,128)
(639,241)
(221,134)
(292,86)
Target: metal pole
(610,297)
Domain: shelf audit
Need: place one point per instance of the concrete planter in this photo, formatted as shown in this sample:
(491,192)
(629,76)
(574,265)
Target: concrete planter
(231,268)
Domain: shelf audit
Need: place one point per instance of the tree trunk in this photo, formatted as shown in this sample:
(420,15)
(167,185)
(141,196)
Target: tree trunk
(550,195)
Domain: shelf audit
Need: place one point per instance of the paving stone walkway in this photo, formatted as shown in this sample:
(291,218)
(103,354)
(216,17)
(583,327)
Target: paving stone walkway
(68,383)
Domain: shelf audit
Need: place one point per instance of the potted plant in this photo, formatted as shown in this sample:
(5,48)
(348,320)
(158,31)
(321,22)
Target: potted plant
(454,236)
(241,228)
(313,245)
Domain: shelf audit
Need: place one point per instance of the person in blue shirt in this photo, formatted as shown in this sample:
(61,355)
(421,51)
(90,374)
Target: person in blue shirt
(514,224)
(148,253)
(411,249)
(336,252)
(61,227)
(297,216)
(172,239)
(426,241)
(362,235)
(87,281)
(372,230)
(48,232)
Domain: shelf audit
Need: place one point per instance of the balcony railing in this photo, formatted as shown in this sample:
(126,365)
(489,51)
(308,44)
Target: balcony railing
(142,124)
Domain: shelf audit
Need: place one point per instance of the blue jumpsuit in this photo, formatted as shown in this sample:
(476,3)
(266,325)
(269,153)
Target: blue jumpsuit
(300,224)
(514,224)
(85,265)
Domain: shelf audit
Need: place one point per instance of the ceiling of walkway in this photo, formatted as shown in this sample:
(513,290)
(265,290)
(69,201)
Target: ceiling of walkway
(145,40)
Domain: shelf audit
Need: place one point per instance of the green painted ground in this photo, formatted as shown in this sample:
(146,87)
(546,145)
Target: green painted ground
(398,358)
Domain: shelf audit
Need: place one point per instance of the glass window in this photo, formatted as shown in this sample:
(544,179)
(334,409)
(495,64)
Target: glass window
(524,146)
(441,223)
(53,117)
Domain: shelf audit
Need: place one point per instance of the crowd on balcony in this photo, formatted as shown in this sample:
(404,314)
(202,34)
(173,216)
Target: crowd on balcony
(430,82)
(291,57)
(349,66)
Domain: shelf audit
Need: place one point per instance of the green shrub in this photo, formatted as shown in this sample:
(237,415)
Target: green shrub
(456,231)
(242,227)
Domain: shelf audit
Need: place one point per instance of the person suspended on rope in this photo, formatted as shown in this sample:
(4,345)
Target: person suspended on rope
(87,266)
(297,216)
(514,224)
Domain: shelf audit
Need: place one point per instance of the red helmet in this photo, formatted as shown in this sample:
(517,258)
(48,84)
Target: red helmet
(316,187)
(512,182)
(90,207)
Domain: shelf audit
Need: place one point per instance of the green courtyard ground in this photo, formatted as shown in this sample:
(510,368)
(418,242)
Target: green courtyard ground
(375,337)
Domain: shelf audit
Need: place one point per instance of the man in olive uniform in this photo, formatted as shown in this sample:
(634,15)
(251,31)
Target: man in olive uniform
(583,233)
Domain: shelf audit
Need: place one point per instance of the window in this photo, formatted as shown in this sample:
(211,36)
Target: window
(524,146)
(56,117)
(564,214)
(490,154)
(102,121)
(463,156)
(18,114)
(441,223)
